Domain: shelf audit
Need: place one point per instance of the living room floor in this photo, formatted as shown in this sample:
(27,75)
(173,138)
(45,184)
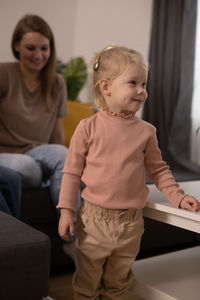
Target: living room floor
(60,286)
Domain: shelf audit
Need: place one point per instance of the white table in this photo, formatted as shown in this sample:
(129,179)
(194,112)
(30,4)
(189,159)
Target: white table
(176,275)
(172,276)
(160,209)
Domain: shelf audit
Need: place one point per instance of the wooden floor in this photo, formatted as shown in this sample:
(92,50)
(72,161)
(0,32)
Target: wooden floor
(60,287)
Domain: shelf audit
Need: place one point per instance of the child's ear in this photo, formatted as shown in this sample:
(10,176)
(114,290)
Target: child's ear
(105,87)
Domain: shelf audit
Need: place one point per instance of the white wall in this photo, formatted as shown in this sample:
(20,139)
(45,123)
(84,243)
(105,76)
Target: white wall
(82,27)
(102,22)
(60,14)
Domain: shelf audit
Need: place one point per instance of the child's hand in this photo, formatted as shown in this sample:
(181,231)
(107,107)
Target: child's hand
(66,222)
(190,203)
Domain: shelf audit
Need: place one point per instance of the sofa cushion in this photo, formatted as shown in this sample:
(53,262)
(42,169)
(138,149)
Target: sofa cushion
(24,260)
(76,112)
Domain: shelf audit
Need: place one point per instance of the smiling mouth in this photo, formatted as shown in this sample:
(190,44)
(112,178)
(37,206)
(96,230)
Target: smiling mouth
(37,62)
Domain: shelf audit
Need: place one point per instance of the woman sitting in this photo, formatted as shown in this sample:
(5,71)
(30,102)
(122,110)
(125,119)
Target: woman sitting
(32,106)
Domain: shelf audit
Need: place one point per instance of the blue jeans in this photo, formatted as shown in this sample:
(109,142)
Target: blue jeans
(10,191)
(40,165)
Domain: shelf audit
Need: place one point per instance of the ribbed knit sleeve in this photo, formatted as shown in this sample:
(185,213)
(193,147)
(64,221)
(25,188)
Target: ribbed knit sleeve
(159,172)
(73,169)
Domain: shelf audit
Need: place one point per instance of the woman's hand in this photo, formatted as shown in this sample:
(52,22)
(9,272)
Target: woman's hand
(190,203)
(66,224)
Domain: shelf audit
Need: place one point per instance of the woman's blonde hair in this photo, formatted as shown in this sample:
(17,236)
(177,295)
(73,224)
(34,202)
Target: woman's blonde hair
(34,23)
(109,63)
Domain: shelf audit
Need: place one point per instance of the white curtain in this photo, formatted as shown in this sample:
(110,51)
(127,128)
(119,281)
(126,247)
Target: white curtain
(195,113)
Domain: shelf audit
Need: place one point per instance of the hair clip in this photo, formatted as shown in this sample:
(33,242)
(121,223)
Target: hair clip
(97,63)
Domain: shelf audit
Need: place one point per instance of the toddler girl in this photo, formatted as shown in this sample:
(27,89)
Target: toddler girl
(110,153)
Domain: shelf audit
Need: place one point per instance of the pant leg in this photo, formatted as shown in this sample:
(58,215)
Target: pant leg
(10,186)
(92,250)
(3,204)
(26,166)
(117,276)
(51,159)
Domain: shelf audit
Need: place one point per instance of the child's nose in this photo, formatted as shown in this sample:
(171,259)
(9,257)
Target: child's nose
(140,90)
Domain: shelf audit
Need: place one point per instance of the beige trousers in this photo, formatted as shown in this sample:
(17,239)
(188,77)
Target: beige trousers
(107,245)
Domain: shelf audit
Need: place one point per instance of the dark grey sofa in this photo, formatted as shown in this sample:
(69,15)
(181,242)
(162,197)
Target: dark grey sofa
(24,260)
(38,211)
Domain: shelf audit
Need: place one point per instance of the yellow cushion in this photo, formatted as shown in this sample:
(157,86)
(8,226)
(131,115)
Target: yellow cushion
(76,112)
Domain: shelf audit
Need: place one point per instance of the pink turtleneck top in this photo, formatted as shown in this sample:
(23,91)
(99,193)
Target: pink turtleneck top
(110,155)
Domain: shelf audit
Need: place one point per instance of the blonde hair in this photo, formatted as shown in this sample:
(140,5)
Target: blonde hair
(110,63)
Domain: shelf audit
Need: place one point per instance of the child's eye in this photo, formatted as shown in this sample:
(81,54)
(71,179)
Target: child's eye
(144,85)
(133,82)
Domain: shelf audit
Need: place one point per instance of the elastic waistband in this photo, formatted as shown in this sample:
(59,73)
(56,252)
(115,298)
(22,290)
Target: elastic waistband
(112,214)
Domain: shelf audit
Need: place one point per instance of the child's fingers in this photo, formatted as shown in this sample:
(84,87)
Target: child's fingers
(62,230)
(194,203)
(65,230)
(189,206)
(66,224)
(65,237)
(197,206)
(71,228)
(190,203)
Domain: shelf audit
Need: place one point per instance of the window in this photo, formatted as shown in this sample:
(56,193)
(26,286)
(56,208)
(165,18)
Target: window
(195,113)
